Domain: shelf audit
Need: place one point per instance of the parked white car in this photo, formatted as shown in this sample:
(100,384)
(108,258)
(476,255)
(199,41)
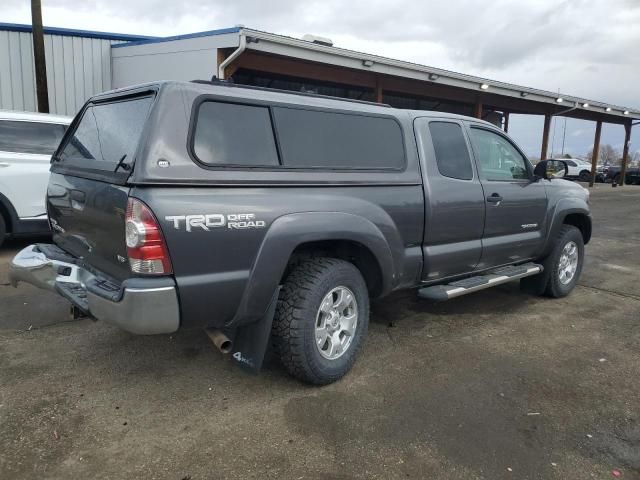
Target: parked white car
(578,169)
(27,141)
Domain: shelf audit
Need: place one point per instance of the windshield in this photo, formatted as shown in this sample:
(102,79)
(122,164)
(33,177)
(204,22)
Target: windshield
(107,133)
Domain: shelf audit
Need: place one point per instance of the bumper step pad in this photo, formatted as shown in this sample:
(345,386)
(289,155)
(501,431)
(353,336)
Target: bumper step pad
(473,284)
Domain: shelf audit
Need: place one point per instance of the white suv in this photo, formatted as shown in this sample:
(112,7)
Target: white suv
(578,169)
(27,141)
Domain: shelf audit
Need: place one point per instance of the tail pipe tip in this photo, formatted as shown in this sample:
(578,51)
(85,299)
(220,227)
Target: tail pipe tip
(220,340)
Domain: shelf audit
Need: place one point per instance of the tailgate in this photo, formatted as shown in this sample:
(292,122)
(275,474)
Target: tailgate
(88,220)
(87,193)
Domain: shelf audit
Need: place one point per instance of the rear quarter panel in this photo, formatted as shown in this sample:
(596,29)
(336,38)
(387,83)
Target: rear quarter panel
(213,268)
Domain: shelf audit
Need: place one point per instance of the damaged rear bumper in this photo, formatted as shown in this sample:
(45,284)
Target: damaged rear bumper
(142,306)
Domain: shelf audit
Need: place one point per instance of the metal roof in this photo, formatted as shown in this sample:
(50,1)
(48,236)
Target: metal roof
(208,33)
(70,32)
(268,42)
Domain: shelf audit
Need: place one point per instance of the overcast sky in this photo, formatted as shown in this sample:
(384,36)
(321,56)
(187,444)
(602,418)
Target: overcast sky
(588,48)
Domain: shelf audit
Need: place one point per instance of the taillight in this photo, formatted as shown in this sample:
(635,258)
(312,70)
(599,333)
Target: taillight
(146,248)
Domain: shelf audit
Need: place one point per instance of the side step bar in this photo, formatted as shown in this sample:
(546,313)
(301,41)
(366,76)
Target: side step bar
(473,284)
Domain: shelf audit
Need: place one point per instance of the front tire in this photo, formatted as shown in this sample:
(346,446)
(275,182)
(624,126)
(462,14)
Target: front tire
(565,262)
(556,280)
(321,319)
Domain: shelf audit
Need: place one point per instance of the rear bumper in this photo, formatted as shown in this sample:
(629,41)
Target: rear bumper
(143,306)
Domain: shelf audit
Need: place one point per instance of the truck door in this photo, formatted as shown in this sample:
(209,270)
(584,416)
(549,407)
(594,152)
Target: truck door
(516,205)
(454,199)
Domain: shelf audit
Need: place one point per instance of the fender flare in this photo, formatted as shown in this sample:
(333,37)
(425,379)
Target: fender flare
(564,207)
(286,233)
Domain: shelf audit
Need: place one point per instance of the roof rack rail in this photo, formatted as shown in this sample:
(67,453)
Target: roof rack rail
(228,83)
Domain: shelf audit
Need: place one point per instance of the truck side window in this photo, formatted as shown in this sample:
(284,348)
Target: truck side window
(233,134)
(452,155)
(499,160)
(319,139)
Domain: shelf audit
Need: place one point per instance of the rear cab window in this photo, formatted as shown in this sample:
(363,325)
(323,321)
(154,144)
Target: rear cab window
(452,155)
(107,134)
(37,138)
(231,135)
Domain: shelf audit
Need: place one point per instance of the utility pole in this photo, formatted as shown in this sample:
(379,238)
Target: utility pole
(37,32)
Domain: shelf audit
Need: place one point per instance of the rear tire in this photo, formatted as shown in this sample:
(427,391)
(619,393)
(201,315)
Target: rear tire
(315,310)
(3,230)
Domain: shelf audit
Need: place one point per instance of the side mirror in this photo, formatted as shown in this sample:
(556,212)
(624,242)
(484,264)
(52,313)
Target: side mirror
(549,169)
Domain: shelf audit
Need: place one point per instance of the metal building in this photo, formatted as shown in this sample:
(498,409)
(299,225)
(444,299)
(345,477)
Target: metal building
(82,63)
(78,66)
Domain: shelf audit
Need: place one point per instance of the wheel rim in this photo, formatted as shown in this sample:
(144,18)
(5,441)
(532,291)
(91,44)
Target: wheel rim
(568,263)
(336,323)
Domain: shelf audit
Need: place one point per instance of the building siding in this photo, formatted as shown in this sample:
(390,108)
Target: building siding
(185,59)
(77,67)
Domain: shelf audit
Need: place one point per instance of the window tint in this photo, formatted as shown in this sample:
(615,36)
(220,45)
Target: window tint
(452,155)
(30,137)
(107,132)
(335,140)
(231,134)
(498,158)
(570,163)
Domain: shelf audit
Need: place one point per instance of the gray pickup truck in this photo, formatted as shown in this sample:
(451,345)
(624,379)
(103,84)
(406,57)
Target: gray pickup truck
(271,218)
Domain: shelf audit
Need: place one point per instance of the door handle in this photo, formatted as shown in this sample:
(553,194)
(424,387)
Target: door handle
(494,198)
(4,164)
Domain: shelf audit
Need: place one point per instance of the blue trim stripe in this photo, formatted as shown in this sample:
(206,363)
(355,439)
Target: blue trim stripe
(209,33)
(17,27)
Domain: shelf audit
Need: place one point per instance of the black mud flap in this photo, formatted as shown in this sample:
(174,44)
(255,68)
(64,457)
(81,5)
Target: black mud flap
(251,341)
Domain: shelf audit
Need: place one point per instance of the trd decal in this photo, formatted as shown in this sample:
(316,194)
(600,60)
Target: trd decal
(232,221)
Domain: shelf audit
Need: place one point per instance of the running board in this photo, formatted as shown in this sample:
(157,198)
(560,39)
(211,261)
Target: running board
(473,284)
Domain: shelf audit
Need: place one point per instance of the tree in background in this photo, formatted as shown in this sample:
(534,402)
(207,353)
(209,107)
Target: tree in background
(607,156)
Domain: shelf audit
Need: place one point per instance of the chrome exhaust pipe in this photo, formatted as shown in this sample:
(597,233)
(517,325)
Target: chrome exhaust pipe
(220,340)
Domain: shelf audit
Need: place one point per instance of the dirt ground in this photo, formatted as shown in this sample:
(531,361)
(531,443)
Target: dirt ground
(495,385)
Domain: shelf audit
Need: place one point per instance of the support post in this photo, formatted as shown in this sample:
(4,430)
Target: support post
(595,153)
(378,92)
(506,122)
(478,109)
(545,136)
(37,33)
(625,152)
